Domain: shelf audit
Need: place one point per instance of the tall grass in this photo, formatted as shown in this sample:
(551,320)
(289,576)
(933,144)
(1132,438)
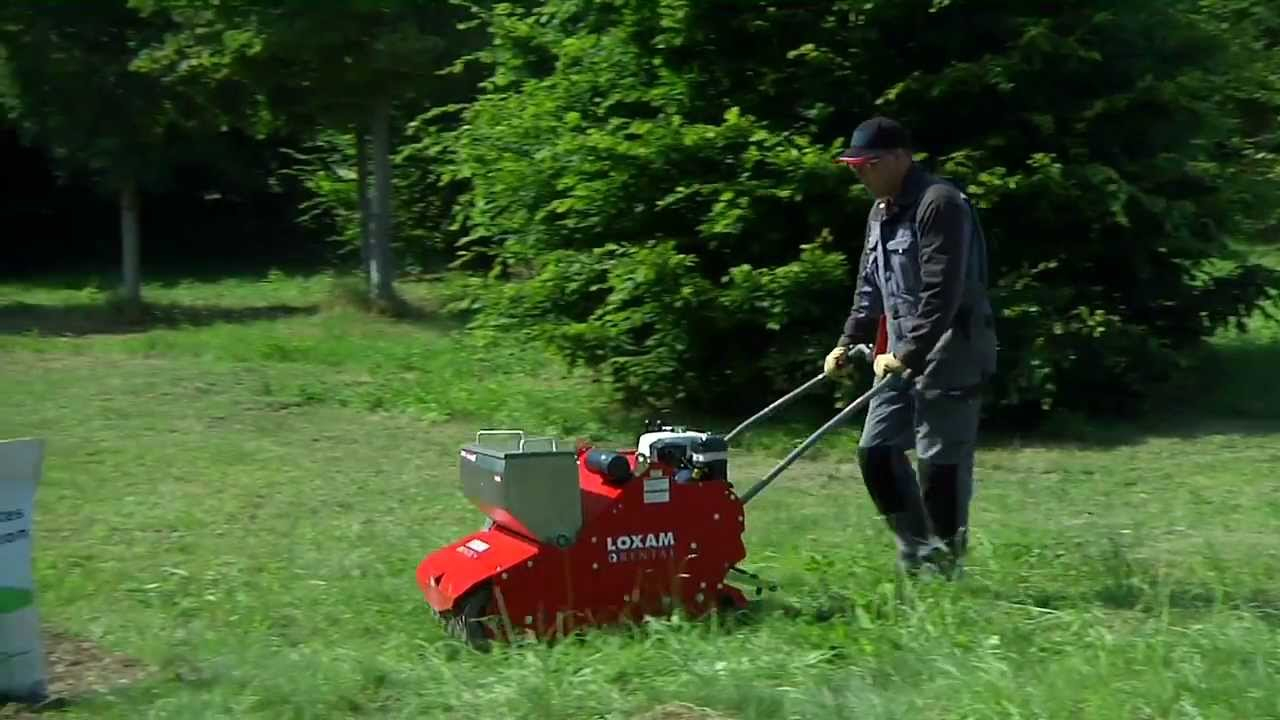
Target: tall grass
(240,500)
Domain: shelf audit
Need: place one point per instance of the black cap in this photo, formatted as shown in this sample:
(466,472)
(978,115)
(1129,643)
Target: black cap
(878,133)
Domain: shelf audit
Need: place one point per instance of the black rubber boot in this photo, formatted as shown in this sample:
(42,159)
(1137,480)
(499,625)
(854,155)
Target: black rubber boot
(947,490)
(890,481)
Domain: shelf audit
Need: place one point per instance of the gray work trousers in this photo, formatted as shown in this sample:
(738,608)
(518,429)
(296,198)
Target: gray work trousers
(942,427)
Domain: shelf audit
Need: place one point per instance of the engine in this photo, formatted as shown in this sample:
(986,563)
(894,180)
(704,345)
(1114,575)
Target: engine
(693,456)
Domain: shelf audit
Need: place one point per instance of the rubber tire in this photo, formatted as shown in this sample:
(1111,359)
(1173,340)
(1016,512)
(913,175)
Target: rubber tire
(465,623)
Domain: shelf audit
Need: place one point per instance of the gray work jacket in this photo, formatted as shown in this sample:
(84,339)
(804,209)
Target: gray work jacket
(924,264)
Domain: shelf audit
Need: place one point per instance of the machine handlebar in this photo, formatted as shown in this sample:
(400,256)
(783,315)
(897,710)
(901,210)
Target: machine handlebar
(864,351)
(853,407)
(877,387)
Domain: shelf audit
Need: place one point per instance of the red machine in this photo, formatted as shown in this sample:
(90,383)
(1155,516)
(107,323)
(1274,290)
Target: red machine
(589,536)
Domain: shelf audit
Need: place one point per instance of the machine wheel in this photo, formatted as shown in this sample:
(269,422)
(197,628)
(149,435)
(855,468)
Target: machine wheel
(466,623)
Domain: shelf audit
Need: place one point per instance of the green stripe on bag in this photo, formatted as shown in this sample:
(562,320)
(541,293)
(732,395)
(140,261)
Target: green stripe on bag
(12,599)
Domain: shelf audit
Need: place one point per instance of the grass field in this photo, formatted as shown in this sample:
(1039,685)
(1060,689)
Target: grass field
(236,497)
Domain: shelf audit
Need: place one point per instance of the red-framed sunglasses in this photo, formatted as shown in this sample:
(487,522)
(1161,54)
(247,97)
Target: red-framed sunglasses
(858,162)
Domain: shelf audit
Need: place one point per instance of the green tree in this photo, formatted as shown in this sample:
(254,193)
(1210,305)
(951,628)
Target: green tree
(8,93)
(657,177)
(72,89)
(1251,31)
(345,67)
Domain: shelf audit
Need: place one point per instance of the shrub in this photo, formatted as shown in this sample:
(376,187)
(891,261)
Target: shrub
(654,181)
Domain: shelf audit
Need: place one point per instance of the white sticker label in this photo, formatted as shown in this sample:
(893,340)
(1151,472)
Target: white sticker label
(478,545)
(657,490)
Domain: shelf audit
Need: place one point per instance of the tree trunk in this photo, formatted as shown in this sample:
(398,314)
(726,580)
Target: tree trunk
(131,285)
(362,192)
(380,276)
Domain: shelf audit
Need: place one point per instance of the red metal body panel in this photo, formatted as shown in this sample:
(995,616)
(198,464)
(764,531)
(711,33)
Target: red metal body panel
(638,553)
(452,571)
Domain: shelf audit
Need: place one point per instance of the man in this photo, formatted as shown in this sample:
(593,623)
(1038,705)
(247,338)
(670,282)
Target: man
(922,290)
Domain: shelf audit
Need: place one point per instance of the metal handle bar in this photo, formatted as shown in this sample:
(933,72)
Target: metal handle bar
(485,433)
(517,433)
(864,350)
(554,446)
(856,405)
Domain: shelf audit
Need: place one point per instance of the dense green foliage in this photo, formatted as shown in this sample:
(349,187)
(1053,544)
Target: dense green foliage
(71,91)
(647,184)
(325,167)
(329,67)
(1249,93)
(657,176)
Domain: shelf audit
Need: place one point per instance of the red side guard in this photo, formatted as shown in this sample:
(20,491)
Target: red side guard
(644,548)
(454,570)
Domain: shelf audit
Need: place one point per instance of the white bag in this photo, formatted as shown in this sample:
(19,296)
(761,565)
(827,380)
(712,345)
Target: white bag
(22,665)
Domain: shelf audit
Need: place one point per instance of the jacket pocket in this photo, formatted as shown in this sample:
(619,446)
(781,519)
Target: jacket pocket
(903,257)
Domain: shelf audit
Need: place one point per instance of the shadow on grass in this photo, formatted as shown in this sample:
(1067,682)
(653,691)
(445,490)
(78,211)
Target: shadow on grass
(1074,432)
(1119,581)
(110,316)
(1132,585)
(107,278)
(79,673)
(349,292)
(1235,392)
(82,319)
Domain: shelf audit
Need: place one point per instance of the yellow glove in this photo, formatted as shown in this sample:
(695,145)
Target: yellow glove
(834,363)
(886,364)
